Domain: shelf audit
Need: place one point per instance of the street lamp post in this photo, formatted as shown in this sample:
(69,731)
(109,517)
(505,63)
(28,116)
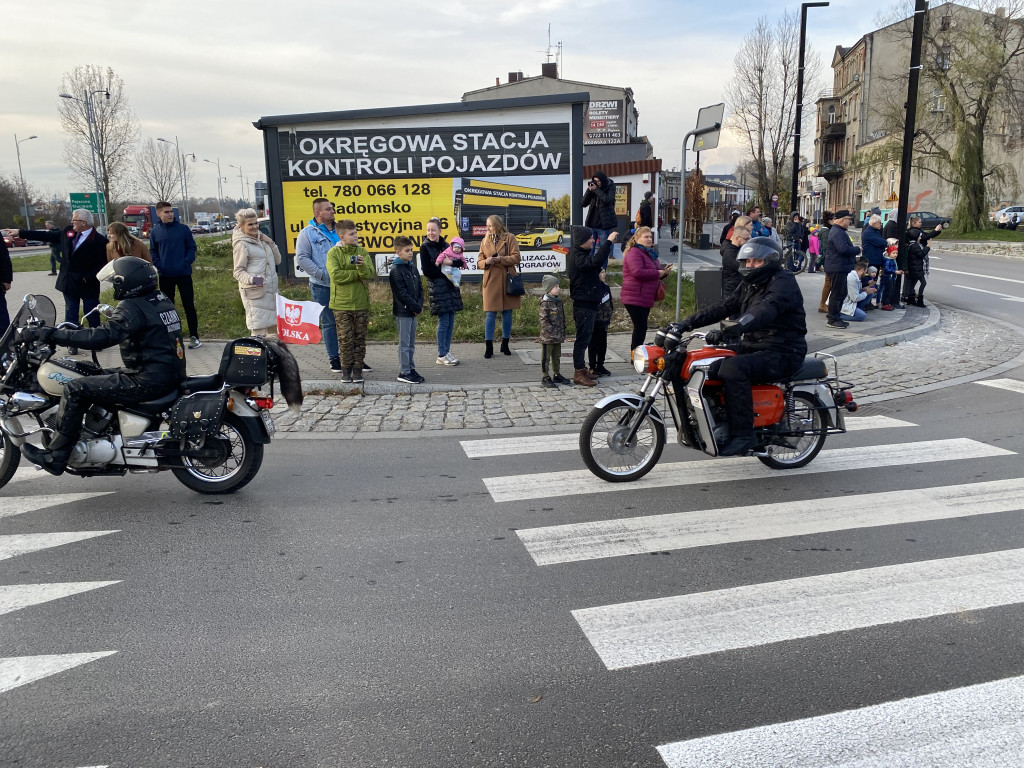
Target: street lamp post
(799,100)
(94,138)
(241,183)
(24,189)
(181,170)
(220,192)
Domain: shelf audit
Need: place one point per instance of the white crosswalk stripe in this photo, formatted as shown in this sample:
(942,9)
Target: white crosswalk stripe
(1012,385)
(650,631)
(974,727)
(19,670)
(569,441)
(702,528)
(19,505)
(16,544)
(18,596)
(543,485)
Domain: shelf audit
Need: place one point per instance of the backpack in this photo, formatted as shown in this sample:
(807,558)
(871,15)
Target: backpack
(638,220)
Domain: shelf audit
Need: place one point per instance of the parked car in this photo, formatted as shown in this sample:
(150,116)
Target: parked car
(931,220)
(539,236)
(1009,210)
(133,231)
(15,242)
(199,229)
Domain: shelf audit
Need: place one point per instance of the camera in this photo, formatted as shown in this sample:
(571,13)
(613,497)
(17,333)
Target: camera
(352,259)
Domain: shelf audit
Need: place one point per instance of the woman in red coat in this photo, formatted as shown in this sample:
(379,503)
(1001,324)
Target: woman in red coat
(641,274)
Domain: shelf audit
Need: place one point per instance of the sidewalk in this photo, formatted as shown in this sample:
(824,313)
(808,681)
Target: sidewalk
(891,354)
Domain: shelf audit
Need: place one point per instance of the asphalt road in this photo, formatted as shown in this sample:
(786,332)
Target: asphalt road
(989,285)
(370,603)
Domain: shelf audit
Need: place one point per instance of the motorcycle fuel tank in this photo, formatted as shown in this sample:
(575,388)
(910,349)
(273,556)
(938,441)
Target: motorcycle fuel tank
(54,375)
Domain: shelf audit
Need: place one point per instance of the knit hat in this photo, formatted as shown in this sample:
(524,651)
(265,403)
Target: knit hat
(648,195)
(548,282)
(877,210)
(581,234)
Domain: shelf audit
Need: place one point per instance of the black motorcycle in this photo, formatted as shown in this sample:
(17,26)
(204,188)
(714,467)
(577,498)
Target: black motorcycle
(210,433)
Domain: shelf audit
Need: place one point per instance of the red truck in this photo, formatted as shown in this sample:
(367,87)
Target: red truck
(142,217)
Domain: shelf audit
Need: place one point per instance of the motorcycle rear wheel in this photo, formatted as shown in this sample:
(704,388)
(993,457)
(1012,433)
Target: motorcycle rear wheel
(10,457)
(241,464)
(806,417)
(603,448)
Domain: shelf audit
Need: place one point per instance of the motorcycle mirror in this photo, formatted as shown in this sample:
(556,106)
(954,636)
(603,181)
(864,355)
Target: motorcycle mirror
(105,309)
(30,301)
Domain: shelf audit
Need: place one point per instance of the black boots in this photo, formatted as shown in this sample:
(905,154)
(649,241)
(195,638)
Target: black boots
(504,347)
(488,349)
(54,460)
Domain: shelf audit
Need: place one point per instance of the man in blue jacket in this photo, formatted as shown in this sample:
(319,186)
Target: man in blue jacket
(840,256)
(311,247)
(173,250)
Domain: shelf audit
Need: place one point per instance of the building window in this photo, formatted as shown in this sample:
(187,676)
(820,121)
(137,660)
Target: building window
(832,114)
(892,181)
(942,59)
(946,22)
(938,101)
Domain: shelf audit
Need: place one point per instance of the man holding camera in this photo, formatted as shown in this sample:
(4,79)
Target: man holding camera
(599,199)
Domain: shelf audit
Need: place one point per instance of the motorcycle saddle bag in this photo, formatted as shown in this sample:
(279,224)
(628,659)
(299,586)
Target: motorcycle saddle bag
(198,415)
(245,363)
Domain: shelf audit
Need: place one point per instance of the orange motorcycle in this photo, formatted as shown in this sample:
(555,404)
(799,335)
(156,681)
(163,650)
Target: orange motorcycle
(623,436)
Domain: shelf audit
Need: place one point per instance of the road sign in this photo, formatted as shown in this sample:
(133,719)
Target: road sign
(775,203)
(707,118)
(775,198)
(88,201)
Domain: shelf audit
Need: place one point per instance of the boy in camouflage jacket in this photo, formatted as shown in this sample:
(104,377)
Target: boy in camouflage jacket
(552,331)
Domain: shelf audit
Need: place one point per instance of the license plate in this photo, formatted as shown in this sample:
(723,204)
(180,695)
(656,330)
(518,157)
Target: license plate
(267,422)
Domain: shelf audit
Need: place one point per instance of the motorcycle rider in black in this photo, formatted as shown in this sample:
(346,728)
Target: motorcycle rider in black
(148,328)
(773,334)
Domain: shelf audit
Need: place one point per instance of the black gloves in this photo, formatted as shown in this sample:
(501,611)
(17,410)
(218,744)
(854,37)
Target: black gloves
(674,363)
(43,334)
(714,338)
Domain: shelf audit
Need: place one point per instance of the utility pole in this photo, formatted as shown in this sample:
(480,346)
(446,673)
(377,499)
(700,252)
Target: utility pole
(24,189)
(910,128)
(800,101)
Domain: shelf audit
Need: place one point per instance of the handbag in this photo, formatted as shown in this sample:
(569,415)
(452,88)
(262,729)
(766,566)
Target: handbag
(514,283)
(659,295)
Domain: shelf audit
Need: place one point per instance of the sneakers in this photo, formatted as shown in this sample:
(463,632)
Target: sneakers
(837,324)
(886,307)
(356,376)
(346,376)
(412,377)
(366,367)
(599,370)
(547,382)
(194,342)
(336,365)
(560,379)
(448,359)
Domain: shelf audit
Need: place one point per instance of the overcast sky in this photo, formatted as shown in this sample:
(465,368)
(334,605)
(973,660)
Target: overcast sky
(205,71)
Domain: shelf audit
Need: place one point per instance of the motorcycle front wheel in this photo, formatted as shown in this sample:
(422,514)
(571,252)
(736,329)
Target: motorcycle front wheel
(604,447)
(10,457)
(806,425)
(238,465)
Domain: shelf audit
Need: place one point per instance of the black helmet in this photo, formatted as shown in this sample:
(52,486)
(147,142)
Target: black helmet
(760,248)
(130,276)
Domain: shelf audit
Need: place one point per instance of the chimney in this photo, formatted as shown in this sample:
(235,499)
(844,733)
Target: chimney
(549,69)
(1000,13)
(515,77)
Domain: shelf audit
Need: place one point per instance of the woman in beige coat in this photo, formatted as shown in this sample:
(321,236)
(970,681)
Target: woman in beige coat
(256,258)
(499,255)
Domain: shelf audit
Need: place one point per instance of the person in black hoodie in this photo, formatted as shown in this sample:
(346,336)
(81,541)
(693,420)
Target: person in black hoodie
(584,266)
(445,296)
(773,328)
(917,261)
(599,199)
(406,304)
(6,278)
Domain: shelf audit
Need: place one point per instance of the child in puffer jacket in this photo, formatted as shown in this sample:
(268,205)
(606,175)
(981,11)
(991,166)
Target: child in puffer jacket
(454,253)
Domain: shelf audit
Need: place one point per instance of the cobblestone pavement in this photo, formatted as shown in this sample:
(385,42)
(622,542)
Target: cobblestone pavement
(963,346)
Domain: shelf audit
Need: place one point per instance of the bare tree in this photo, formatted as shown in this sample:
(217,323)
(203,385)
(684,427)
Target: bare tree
(158,168)
(115,128)
(761,97)
(971,101)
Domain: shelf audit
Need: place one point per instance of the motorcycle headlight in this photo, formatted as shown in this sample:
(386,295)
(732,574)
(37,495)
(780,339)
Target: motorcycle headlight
(648,359)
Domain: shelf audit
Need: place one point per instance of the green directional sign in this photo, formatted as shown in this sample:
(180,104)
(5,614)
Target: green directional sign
(88,201)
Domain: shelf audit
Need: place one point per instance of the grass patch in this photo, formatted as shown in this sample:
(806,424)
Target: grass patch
(37,262)
(984,235)
(221,316)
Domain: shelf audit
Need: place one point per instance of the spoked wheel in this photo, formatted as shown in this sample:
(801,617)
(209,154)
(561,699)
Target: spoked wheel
(236,462)
(806,423)
(606,450)
(10,457)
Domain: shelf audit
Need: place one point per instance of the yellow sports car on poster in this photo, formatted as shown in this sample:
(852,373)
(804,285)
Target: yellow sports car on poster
(541,236)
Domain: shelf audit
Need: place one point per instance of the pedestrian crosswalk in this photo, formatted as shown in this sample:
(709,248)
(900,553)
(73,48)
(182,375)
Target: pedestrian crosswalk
(17,671)
(972,726)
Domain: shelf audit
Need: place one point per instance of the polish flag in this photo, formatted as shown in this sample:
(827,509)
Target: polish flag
(298,322)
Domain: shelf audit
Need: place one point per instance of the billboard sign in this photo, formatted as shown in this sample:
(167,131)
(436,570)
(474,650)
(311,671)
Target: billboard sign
(391,176)
(606,122)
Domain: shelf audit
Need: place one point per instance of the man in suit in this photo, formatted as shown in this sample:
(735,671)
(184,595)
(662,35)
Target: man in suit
(83,254)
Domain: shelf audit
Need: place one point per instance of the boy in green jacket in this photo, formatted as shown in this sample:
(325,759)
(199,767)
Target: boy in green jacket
(351,270)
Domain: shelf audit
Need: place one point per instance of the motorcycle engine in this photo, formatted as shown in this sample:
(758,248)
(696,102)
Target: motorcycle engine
(97,419)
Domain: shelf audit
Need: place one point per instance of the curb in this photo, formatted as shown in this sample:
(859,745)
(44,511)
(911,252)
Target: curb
(931,325)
